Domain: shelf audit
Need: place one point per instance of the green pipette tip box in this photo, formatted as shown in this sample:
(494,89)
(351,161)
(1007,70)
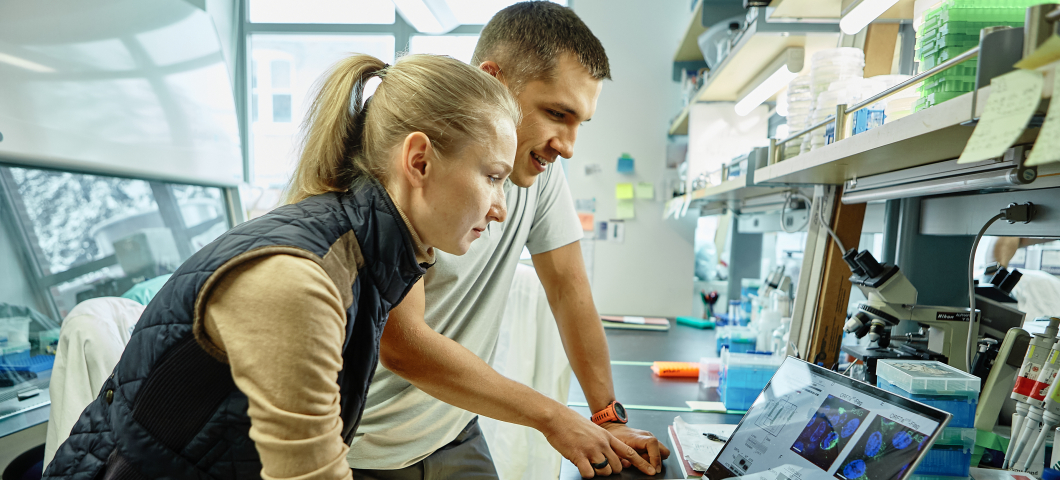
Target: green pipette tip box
(695,322)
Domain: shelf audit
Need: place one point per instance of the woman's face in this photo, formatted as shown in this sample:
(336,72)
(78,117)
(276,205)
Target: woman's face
(466,191)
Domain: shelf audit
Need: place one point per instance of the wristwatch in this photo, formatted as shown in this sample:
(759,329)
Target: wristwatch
(613,412)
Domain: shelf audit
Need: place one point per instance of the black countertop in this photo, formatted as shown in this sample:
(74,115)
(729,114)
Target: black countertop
(635,385)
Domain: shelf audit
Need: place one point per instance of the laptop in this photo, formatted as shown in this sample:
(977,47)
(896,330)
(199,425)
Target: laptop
(811,423)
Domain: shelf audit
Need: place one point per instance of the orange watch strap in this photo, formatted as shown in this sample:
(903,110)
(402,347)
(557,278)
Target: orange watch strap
(608,414)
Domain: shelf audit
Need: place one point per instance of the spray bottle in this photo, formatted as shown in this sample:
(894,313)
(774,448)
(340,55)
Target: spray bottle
(1037,354)
(1035,402)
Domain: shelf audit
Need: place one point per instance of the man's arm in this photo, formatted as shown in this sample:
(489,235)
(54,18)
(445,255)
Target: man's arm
(562,272)
(451,373)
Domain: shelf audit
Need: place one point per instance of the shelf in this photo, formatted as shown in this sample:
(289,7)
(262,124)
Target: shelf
(831,10)
(680,124)
(688,50)
(753,53)
(734,189)
(925,137)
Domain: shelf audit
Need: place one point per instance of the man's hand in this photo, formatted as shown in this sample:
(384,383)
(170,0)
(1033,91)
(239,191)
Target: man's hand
(584,443)
(648,447)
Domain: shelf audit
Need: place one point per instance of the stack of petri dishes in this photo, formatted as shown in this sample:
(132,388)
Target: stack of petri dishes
(827,68)
(800,107)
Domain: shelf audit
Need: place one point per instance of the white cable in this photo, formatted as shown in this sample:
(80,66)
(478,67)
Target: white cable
(824,224)
(784,208)
(971,287)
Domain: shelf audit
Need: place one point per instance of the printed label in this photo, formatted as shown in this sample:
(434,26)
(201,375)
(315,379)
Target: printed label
(952,316)
(1024,386)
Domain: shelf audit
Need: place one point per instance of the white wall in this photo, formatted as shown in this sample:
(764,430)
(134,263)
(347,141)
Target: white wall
(651,272)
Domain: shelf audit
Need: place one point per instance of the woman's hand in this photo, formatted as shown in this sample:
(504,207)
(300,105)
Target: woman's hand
(585,444)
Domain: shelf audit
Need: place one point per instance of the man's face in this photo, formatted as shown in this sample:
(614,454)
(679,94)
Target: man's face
(552,112)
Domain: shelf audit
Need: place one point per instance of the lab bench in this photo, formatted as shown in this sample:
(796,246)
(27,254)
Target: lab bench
(637,387)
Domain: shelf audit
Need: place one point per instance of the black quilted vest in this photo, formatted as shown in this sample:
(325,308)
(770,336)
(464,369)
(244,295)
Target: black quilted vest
(172,410)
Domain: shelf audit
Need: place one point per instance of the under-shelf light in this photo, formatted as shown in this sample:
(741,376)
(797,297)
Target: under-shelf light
(23,63)
(863,14)
(771,80)
(427,16)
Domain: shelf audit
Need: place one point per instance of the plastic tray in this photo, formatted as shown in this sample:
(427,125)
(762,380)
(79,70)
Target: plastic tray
(745,370)
(962,408)
(945,461)
(737,339)
(955,85)
(36,364)
(928,377)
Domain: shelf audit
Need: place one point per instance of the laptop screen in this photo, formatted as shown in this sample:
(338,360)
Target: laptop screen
(812,423)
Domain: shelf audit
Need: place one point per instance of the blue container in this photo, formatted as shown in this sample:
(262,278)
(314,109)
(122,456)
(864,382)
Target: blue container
(867,119)
(736,398)
(15,353)
(961,407)
(737,339)
(949,461)
(36,364)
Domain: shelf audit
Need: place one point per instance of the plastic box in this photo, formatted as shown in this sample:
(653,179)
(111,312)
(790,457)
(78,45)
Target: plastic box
(736,339)
(48,341)
(948,461)
(932,383)
(709,371)
(15,353)
(743,376)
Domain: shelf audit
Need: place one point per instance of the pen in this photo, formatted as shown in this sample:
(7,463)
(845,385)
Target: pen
(711,436)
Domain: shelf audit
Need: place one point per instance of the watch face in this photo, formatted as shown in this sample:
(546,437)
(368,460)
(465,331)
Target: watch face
(620,411)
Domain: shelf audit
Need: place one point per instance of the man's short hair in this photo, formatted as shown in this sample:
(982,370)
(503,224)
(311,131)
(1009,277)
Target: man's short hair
(528,38)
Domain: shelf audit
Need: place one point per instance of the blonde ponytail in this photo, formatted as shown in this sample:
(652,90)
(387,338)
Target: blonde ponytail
(446,99)
(333,131)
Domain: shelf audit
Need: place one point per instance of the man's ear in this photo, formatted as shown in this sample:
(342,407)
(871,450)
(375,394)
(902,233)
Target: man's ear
(491,67)
(416,155)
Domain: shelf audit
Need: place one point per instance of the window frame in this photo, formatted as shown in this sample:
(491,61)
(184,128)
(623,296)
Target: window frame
(400,29)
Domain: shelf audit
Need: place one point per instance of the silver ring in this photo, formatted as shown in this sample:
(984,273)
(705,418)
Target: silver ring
(600,465)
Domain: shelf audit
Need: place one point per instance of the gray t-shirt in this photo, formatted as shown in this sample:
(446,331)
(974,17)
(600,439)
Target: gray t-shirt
(465,298)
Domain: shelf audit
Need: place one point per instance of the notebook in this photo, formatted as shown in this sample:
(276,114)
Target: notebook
(812,423)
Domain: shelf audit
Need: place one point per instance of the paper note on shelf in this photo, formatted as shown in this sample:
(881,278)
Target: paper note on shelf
(645,191)
(697,449)
(1048,52)
(1047,147)
(625,209)
(623,191)
(1014,97)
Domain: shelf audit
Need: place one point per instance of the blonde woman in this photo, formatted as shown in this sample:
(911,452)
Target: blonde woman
(254,359)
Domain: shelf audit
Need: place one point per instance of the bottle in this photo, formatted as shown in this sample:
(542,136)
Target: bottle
(769,319)
(780,336)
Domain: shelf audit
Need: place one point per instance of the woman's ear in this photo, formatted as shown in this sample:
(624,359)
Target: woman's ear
(416,156)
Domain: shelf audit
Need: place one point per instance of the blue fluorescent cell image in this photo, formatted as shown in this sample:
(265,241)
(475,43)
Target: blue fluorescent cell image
(825,436)
(882,452)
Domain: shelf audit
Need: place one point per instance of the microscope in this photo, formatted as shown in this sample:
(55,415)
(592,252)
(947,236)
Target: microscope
(891,298)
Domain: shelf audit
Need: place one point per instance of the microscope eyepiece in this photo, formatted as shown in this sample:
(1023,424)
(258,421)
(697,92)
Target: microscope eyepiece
(853,264)
(1010,281)
(868,263)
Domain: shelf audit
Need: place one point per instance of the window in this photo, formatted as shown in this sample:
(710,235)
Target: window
(93,236)
(322,11)
(285,69)
(460,47)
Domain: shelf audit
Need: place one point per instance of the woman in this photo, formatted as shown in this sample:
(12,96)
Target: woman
(255,358)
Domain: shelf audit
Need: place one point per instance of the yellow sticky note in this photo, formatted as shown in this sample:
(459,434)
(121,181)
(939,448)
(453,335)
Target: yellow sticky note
(623,191)
(624,209)
(645,191)
(1046,53)
(1014,97)
(1047,147)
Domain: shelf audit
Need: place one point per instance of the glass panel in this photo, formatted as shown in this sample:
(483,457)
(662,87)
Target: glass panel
(281,108)
(108,234)
(460,47)
(322,11)
(478,12)
(282,105)
(203,212)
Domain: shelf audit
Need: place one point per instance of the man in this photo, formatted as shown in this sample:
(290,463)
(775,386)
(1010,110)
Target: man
(442,335)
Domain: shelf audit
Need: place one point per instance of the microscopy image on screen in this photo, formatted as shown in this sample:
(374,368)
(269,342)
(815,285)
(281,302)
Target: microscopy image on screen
(884,452)
(829,430)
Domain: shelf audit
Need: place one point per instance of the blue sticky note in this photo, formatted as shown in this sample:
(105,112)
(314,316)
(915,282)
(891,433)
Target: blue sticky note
(625,163)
